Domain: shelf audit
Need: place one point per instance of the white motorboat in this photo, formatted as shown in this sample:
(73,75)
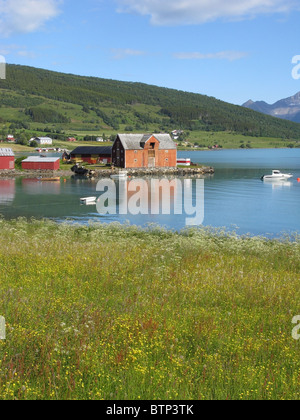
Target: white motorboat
(277,176)
(88,200)
(119,175)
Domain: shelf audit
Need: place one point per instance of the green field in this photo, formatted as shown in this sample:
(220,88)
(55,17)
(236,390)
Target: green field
(206,140)
(105,312)
(57,144)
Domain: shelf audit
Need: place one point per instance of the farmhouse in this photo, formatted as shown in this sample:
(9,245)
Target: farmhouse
(10,138)
(37,163)
(144,151)
(43,140)
(7,159)
(92,154)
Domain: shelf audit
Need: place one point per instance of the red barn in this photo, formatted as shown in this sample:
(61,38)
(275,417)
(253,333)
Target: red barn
(92,154)
(36,163)
(7,159)
(144,151)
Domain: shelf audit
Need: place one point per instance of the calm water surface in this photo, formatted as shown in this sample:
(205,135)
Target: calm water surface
(235,197)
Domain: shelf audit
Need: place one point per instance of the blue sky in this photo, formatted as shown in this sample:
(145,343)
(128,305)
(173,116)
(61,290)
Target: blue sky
(233,50)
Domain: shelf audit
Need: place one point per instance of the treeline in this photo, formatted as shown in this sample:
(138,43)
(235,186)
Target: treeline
(46,115)
(18,101)
(175,109)
(110,121)
(230,118)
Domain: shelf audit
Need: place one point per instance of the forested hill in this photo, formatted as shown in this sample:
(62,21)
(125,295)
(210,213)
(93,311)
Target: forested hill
(163,108)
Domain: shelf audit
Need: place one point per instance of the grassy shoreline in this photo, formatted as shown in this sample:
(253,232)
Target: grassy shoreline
(111,312)
(203,139)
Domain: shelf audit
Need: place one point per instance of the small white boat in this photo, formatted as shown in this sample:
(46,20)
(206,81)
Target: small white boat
(119,175)
(277,176)
(88,200)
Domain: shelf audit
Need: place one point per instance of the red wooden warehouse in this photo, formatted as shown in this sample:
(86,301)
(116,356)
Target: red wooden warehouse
(7,159)
(144,151)
(41,164)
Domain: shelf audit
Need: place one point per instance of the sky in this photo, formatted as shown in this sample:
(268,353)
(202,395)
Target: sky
(233,50)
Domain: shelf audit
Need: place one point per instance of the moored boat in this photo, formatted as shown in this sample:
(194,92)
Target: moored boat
(276,176)
(56,179)
(88,200)
(120,175)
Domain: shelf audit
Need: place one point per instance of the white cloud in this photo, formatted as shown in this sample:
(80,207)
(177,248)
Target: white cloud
(222,55)
(8,49)
(24,16)
(120,54)
(185,12)
(26,54)
(14,49)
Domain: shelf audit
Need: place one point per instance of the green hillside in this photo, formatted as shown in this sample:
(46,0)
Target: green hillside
(44,101)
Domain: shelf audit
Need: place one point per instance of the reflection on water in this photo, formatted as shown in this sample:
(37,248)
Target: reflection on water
(153,197)
(279,185)
(7,191)
(34,186)
(234,196)
(147,197)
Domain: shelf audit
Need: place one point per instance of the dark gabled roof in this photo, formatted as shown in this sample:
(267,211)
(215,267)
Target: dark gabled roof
(93,150)
(137,141)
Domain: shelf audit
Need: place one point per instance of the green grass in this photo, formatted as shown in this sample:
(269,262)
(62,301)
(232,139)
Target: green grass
(17,147)
(105,312)
(233,141)
(56,144)
(227,140)
(71,146)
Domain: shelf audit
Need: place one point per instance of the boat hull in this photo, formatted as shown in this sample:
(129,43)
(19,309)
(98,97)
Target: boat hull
(120,175)
(88,200)
(50,179)
(276,178)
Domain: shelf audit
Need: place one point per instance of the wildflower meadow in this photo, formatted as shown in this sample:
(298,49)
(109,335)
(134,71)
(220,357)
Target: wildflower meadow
(111,312)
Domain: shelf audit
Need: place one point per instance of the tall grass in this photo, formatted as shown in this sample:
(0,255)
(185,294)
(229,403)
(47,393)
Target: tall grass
(110,312)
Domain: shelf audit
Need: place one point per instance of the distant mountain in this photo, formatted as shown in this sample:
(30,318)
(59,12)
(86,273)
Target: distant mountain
(286,109)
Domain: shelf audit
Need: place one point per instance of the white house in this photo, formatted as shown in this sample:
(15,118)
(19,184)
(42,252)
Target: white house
(10,138)
(43,140)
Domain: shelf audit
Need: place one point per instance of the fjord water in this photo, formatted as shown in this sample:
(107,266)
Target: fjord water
(235,197)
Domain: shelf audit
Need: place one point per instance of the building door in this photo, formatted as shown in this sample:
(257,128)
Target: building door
(151,159)
(118,158)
